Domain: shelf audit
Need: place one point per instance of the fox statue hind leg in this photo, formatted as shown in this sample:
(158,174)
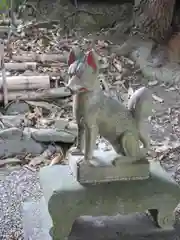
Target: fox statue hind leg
(129,146)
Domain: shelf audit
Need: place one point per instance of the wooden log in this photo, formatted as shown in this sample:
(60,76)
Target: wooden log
(20,66)
(4,29)
(8,21)
(27,82)
(52,93)
(42,58)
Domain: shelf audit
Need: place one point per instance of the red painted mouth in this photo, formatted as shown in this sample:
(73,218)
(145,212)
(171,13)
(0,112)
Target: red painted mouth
(83,90)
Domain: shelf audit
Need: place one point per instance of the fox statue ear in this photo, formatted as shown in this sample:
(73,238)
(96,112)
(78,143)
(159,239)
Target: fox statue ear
(91,60)
(72,57)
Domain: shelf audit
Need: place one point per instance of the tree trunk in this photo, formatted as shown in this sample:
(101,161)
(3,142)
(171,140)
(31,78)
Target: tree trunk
(153,19)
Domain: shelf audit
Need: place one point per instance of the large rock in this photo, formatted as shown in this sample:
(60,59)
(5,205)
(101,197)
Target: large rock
(14,141)
(52,135)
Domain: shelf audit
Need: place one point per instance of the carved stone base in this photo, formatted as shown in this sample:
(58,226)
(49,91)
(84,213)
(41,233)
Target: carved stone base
(67,199)
(102,169)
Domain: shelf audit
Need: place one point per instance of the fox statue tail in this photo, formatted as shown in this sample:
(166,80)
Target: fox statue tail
(140,105)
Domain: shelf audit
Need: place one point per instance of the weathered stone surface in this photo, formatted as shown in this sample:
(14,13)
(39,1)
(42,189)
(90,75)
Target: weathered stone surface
(61,123)
(52,135)
(12,120)
(70,126)
(17,107)
(13,147)
(14,141)
(67,199)
(11,133)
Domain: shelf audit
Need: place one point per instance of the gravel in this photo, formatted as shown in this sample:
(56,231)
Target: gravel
(16,188)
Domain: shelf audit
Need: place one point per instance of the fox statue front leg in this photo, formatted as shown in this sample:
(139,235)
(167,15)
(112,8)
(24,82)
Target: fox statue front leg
(78,150)
(90,141)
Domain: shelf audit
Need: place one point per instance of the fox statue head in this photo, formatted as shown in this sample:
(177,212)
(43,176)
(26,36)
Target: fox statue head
(83,71)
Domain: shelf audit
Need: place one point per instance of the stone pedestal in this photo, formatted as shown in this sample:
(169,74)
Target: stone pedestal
(67,199)
(103,170)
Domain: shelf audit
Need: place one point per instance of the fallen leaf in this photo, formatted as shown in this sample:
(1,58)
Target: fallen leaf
(128,61)
(117,64)
(158,99)
(153,83)
(171,89)
(36,161)
(57,159)
(130,92)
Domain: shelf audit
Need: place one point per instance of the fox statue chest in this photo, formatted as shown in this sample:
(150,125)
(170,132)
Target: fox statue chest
(80,102)
(85,105)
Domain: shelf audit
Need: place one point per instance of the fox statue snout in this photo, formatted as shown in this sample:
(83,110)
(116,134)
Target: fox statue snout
(74,86)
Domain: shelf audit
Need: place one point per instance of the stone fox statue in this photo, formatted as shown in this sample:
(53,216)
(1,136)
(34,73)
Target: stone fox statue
(98,112)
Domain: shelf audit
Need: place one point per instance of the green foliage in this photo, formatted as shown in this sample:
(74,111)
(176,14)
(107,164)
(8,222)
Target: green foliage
(6,4)
(3,5)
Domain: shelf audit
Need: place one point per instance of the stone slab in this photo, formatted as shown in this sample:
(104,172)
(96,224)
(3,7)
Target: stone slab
(105,171)
(36,220)
(52,135)
(67,199)
(132,226)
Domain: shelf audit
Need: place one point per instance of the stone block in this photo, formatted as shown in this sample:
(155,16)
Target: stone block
(67,199)
(103,169)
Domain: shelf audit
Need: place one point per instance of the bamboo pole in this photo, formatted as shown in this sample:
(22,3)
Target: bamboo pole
(43,58)
(26,82)
(53,93)
(20,66)
(2,66)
